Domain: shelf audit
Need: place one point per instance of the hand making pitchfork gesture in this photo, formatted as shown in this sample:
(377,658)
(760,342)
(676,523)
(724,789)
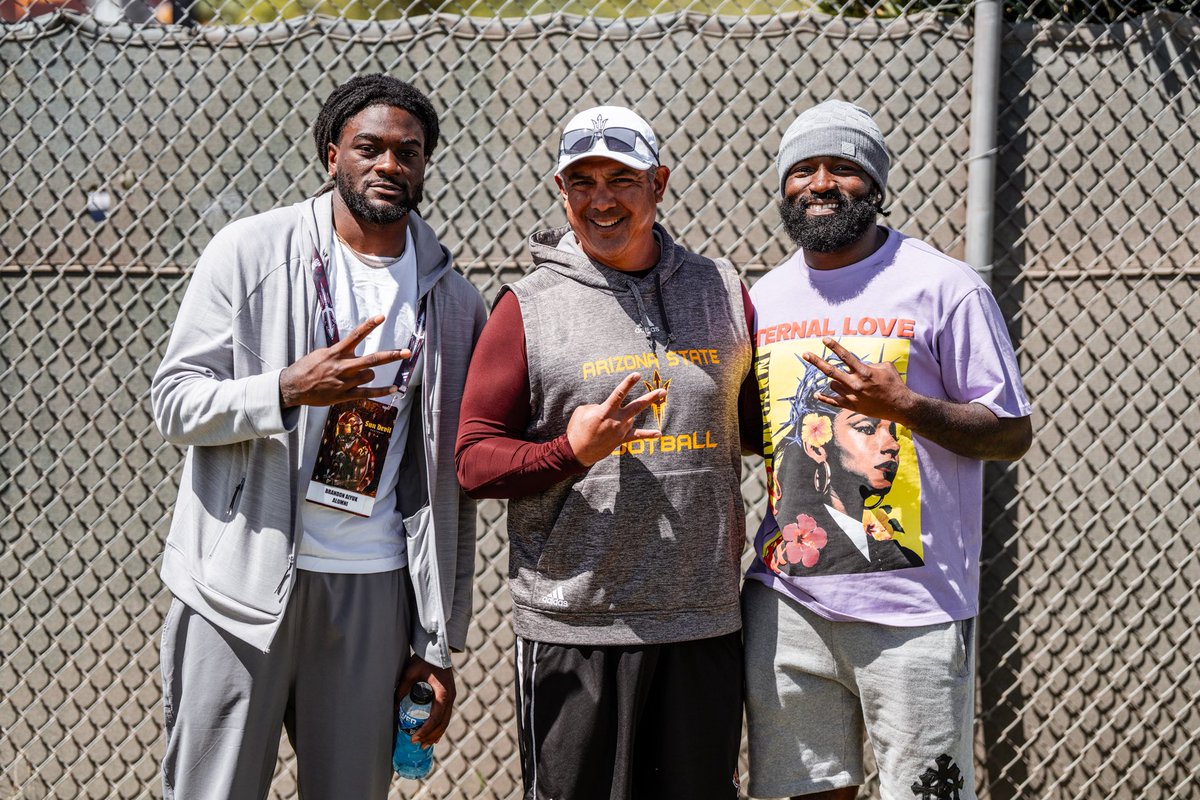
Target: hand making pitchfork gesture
(875,390)
(331,375)
(596,429)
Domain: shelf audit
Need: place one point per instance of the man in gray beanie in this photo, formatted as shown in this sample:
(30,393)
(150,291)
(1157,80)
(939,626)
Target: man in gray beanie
(887,379)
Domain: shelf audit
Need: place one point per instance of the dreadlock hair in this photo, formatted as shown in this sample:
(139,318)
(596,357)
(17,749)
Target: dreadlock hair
(364,91)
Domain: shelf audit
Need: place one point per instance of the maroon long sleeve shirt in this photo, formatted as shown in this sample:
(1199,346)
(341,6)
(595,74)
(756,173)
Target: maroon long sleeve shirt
(492,458)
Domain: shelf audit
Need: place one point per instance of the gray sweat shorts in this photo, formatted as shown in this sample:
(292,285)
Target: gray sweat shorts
(814,688)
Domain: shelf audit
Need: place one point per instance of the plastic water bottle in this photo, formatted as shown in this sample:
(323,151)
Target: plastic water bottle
(409,759)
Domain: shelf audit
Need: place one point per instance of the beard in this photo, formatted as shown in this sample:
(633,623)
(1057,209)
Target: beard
(851,220)
(378,212)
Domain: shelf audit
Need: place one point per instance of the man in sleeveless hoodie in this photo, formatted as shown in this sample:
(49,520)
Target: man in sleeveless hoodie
(625,520)
(321,552)
(888,379)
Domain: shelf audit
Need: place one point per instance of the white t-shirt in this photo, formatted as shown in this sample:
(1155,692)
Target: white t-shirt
(363,287)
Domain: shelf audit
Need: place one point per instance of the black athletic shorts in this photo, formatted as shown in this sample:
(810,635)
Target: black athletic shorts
(652,722)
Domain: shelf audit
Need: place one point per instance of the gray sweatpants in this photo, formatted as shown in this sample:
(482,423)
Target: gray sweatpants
(329,679)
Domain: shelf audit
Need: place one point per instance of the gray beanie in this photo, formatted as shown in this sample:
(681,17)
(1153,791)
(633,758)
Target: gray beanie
(839,129)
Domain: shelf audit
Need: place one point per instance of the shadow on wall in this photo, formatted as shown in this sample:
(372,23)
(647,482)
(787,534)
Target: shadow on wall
(1084,253)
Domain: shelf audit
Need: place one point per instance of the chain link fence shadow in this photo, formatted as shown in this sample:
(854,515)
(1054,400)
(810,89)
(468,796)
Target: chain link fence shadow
(127,144)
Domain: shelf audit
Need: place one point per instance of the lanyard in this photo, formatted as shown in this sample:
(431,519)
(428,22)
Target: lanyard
(416,342)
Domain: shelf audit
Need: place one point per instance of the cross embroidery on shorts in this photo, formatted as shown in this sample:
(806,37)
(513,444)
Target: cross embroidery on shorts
(944,783)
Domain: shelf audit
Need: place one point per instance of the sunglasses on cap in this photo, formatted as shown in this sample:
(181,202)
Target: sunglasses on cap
(617,140)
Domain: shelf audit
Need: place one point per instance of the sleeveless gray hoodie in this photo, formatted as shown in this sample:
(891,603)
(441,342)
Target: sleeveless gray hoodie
(645,547)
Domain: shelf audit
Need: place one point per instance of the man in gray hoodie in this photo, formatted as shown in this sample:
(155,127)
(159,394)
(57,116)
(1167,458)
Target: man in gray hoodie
(625,519)
(321,552)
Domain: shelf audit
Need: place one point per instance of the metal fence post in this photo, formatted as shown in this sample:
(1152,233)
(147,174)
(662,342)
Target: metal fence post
(981,172)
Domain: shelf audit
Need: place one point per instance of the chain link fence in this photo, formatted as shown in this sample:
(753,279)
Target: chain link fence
(126,145)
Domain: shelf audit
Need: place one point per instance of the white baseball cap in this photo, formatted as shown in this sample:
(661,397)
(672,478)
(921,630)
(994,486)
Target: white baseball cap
(608,132)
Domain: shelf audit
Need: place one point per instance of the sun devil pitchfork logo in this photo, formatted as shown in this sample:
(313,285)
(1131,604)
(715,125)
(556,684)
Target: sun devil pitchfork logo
(669,444)
(659,408)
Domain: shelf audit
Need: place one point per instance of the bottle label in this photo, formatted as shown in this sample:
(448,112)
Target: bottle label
(412,718)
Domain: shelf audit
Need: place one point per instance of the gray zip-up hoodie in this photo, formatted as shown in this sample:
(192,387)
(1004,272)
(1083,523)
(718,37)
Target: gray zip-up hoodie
(645,547)
(249,311)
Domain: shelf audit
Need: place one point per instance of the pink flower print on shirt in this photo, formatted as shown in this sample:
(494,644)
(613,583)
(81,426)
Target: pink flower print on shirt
(816,430)
(802,541)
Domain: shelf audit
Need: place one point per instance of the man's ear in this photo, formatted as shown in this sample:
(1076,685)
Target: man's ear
(661,174)
(876,195)
(562,187)
(331,157)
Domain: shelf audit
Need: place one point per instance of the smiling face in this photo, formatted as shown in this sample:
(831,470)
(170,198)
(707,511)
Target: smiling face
(829,204)
(378,164)
(864,451)
(611,209)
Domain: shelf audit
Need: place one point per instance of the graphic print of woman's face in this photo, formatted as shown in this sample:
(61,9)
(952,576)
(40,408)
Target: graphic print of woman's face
(864,449)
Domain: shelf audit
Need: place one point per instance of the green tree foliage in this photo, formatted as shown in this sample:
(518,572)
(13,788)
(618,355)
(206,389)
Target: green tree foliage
(234,12)
(1095,11)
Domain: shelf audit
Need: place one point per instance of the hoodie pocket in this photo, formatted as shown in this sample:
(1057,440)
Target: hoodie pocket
(642,543)
(247,552)
(249,565)
(225,507)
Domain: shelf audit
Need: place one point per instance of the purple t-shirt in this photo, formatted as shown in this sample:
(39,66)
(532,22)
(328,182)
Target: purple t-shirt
(867,521)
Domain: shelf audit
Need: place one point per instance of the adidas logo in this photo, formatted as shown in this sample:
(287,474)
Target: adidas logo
(555,598)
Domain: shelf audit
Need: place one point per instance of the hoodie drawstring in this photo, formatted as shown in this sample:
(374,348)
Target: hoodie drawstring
(662,308)
(648,325)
